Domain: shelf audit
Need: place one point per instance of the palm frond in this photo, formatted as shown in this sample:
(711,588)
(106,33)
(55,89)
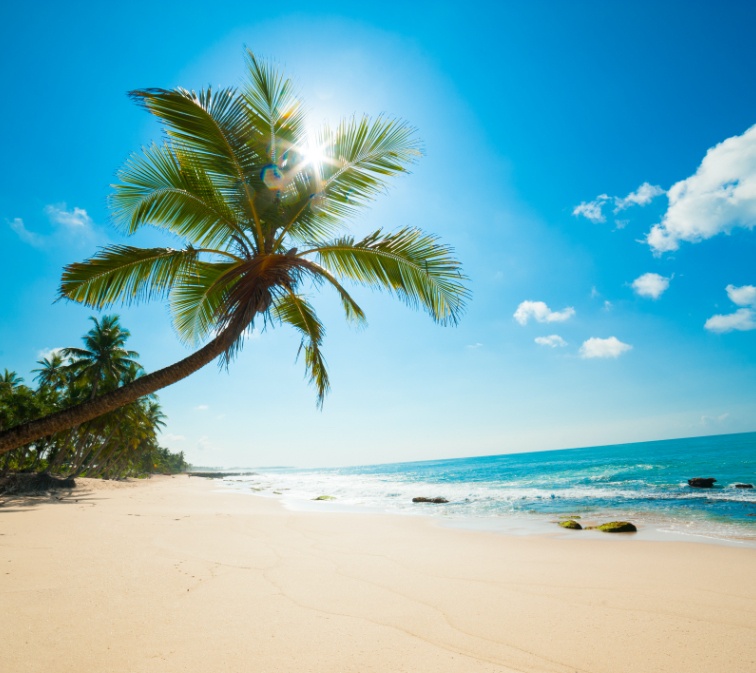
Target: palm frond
(217,132)
(364,151)
(409,263)
(306,214)
(212,125)
(293,309)
(196,303)
(352,310)
(123,273)
(358,157)
(163,188)
(273,107)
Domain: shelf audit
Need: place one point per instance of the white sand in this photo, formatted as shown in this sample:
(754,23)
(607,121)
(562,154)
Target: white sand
(170,575)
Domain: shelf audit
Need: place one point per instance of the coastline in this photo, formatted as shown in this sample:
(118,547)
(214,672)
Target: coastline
(656,529)
(645,483)
(172,574)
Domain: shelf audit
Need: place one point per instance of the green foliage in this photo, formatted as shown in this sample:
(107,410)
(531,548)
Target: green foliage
(262,206)
(121,443)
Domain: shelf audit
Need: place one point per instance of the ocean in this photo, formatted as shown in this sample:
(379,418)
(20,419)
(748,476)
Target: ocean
(645,483)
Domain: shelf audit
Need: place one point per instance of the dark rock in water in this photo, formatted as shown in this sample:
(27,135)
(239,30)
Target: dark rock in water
(571,524)
(701,482)
(743,485)
(438,501)
(616,527)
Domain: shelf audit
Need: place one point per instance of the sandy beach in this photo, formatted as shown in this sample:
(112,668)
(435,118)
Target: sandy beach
(172,575)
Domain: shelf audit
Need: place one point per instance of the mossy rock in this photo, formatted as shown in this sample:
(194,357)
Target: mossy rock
(569,516)
(571,524)
(325,497)
(617,527)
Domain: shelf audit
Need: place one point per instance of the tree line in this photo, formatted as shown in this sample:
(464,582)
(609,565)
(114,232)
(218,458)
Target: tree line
(121,443)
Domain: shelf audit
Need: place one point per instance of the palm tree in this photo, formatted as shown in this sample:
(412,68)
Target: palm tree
(104,361)
(52,373)
(9,381)
(262,203)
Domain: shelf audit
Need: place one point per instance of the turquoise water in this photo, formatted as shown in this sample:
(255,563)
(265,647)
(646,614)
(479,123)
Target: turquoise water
(643,482)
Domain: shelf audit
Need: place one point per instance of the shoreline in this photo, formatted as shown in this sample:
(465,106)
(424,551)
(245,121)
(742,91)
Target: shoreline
(656,530)
(172,574)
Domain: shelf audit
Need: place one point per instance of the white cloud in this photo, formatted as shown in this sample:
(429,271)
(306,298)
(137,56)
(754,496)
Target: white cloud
(71,225)
(607,305)
(75,219)
(17,224)
(540,312)
(201,407)
(475,346)
(591,210)
(603,348)
(47,353)
(650,285)
(552,341)
(204,444)
(743,320)
(708,420)
(170,437)
(745,295)
(640,197)
(718,198)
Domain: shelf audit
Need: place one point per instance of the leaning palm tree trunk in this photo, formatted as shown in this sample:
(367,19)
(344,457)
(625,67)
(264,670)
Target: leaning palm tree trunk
(145,385)
(262,206)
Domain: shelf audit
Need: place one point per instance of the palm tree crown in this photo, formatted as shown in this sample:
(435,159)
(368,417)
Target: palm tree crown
(262,203)
(52,372)
(103,362)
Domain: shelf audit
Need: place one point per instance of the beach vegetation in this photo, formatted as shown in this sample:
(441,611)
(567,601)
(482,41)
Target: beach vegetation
(122,443)
(261,204)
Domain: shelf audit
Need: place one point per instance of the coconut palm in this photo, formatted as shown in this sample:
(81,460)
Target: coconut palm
(261,202)
(9,381)
(52,373)
(103,362)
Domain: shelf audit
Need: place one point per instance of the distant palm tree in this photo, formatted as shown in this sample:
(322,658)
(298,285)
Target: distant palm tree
(103,362)
(52,373)
(9,381)
(262,202)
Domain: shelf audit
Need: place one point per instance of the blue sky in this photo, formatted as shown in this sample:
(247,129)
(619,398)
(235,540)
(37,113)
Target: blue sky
(591,163)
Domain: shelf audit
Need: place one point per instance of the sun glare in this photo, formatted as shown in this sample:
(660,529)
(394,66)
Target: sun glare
(313,155)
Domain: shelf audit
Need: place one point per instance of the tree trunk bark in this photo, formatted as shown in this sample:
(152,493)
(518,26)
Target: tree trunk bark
(146,385)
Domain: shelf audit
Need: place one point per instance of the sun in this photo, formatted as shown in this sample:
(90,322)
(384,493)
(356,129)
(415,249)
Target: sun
(313,155)
(312,152)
